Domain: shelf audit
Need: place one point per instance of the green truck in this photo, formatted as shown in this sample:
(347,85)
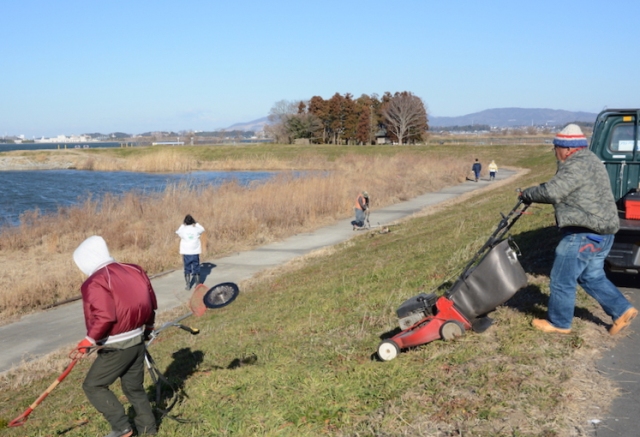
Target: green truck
(616,140)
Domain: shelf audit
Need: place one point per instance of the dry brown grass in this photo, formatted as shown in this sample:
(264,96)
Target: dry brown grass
(159,159)
(36,256)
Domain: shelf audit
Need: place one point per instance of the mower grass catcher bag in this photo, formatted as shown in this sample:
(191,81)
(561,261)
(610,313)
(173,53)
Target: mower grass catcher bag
(494,280)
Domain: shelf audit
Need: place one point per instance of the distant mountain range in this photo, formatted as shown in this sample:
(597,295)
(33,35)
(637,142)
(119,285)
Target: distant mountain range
(511,117)
(499,117)
(255,125)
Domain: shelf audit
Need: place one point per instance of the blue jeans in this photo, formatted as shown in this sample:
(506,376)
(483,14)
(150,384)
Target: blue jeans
(580,260)
(191,264)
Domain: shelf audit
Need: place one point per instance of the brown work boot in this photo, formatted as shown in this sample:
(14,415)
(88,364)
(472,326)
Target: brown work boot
(544,326)
(623,321)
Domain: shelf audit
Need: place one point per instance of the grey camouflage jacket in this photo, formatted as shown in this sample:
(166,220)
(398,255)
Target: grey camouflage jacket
(580,193)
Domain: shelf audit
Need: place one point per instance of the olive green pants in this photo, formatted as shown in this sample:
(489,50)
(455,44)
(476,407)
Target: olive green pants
(128,365)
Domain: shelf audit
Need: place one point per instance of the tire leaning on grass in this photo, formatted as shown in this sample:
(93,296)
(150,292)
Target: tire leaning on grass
(388,350)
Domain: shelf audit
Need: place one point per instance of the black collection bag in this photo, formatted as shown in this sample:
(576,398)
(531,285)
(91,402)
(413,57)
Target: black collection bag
(493,281)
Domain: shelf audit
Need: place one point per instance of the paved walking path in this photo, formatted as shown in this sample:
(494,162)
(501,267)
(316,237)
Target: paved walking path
(621,364)
(41,333)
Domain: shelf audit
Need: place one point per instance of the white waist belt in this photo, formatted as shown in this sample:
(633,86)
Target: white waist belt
(124,336)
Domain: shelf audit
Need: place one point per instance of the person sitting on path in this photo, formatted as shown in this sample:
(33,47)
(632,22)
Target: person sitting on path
(587,217)
(190,249)
(477,168)
(361,206)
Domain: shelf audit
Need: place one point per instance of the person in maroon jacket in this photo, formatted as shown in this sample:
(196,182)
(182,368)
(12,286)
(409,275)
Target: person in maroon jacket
(119,311)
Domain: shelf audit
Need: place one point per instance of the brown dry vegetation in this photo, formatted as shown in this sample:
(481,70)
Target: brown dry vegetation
(168,159)
(36,256)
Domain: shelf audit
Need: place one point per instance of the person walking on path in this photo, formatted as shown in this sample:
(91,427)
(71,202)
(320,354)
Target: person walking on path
(190,249)
(477,168)
(361,206)
(119,310)
(587,216)
(493,169)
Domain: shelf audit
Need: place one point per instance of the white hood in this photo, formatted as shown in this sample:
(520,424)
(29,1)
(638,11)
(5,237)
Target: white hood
(92,254)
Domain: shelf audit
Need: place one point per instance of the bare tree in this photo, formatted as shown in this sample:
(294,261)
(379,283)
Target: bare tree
(279,116)
(278,132)
(282,110)
(291,120)
(405,117)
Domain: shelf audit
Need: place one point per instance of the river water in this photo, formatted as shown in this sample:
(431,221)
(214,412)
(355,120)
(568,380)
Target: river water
(47,190)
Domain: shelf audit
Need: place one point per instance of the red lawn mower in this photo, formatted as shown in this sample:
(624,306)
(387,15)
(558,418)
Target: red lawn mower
(492,277)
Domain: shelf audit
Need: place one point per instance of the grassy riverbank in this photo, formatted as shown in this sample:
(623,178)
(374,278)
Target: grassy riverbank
(292,357)
(193,158)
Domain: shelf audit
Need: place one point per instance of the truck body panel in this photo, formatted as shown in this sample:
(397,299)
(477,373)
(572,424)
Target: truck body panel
(616,142)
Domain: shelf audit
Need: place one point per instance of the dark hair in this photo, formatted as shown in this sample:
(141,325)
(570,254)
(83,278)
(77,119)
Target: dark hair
(188,220)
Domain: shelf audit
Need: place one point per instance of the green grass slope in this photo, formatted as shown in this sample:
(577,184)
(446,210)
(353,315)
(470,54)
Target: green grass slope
(293,356)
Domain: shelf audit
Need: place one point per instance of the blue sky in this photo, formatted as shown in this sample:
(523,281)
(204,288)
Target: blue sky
(71,67)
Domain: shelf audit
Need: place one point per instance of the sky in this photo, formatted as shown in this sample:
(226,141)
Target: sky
(73,67)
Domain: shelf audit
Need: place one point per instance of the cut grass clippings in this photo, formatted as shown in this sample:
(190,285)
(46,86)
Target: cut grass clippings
(293,356)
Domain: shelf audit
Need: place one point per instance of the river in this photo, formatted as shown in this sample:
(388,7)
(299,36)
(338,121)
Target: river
(47,190)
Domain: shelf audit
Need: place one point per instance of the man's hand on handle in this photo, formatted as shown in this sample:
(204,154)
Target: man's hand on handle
(525,195)
(81,349)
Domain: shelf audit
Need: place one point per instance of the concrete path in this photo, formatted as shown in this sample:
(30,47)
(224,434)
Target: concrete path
(41,333)
(622,365)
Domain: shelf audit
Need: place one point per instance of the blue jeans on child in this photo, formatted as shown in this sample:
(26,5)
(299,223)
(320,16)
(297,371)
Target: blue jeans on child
(579,260)
(191,264)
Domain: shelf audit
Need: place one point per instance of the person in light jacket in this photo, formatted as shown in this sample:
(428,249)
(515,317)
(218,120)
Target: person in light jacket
(493,169)
(190,249)
(119,306)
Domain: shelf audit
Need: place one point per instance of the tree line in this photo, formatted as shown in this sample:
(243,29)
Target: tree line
(400,118)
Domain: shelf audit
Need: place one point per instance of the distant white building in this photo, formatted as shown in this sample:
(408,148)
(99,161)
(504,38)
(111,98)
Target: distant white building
(65,139)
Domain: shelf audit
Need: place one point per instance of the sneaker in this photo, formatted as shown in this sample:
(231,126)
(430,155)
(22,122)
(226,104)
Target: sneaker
(623,321)
(126,433)
(544,326)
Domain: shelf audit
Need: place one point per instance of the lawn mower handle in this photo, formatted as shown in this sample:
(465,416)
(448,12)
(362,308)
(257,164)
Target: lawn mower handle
(503,227)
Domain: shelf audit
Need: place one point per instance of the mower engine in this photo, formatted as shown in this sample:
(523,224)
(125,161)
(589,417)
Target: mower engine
(415,309)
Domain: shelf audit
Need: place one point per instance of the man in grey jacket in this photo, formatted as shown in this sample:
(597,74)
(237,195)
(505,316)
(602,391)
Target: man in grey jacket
(587,216)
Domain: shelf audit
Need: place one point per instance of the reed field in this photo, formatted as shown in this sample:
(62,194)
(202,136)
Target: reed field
(294,355)
(36,256)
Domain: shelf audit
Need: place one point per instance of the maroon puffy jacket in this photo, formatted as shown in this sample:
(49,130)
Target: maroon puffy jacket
(117,299)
